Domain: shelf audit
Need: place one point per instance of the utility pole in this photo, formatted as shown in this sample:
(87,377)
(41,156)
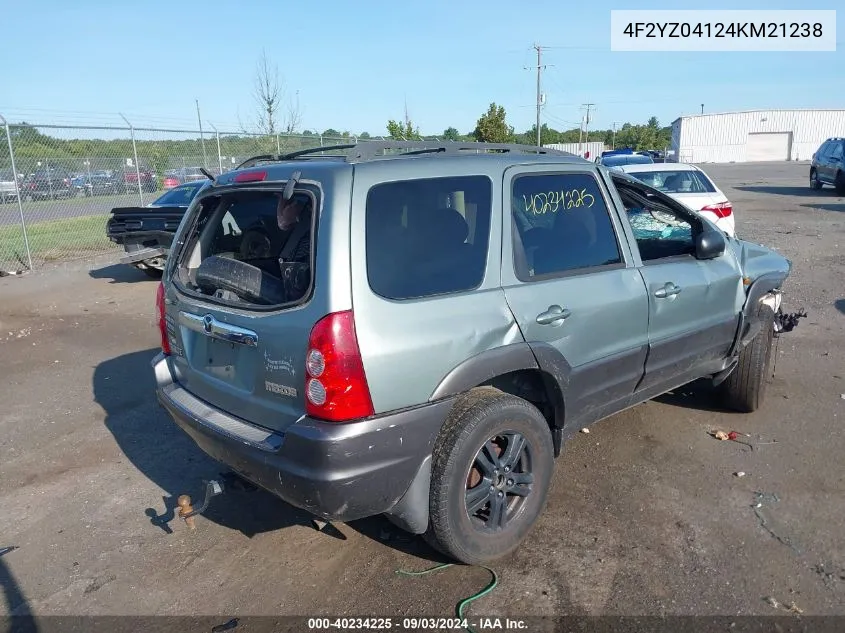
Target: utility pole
(613,143)
(202,139)
(702,108)
(587,120)
(539,68)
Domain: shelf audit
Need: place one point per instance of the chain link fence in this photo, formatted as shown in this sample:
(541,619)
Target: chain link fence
(58,184)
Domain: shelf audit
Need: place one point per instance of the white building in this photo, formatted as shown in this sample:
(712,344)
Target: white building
(589,150)
(757,135)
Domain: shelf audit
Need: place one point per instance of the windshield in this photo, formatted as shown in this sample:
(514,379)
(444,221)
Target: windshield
(180,196)
(625,159)
(676,181)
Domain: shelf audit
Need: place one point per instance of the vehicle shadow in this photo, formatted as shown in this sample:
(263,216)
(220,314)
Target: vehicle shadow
(20,618)
(786,190)
(695,395)
(125,388)
(836,206)
(839,304)
(120,274)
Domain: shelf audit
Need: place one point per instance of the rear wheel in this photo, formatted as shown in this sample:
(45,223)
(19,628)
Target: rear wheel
(491,469)
(745,388)
(815,183)
(155,273)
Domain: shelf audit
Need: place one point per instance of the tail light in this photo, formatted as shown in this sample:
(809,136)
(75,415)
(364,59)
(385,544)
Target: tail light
(336,387)
(721,209)
(162,323)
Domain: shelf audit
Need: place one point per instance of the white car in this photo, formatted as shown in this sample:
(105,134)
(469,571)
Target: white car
(690,186)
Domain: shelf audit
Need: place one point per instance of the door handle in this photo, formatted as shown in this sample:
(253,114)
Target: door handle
(555,314)
(210,326)
(668,290)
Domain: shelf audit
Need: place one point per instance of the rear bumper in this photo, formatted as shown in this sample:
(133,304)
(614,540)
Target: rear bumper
(340,472)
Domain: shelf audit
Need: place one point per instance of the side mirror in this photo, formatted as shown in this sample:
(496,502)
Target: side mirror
(710,243)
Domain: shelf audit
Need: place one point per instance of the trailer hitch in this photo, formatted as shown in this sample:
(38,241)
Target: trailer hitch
(188,512)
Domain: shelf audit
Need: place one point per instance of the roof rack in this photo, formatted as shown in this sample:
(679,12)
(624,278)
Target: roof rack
(369,150)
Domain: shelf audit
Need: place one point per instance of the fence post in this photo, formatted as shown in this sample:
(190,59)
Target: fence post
(17,189)
(219,155)
(278,146)
(135,154)
(321,140)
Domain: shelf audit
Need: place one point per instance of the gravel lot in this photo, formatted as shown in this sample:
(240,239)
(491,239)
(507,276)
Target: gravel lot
(645,516)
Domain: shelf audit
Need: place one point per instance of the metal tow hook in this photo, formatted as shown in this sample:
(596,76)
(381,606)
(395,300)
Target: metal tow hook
(188,512)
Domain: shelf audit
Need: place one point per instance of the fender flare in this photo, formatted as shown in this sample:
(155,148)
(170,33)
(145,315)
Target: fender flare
(478,369)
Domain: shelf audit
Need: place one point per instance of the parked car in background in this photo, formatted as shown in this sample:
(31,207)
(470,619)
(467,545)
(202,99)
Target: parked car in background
(656,155)
(50,183)
(98,183)
(191,174)
(130,179)
(828,166)
(690,186)
(8,190)
(419,340)
(616,159)
(146,232)
(170,179)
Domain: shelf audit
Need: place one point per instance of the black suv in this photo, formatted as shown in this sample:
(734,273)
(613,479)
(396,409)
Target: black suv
(49,183)
(828,167)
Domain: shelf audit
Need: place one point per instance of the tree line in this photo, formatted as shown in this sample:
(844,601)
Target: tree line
(492,127)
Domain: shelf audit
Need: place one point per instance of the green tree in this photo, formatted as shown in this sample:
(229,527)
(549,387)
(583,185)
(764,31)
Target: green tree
(403,132)
(492,126)
(364,135)
(451,134)
(332,133)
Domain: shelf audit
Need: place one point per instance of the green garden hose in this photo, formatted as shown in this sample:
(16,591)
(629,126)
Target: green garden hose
(459,608)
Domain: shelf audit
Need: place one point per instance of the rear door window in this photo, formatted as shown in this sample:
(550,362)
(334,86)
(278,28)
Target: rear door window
(428,236)
(251,248)
(562,224)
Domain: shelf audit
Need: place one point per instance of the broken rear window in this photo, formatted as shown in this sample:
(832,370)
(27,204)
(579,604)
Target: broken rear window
(251,248)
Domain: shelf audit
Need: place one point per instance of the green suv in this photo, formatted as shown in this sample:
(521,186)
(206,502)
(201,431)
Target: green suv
(414,328)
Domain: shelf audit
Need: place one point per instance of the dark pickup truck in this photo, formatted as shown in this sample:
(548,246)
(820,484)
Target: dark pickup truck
(147,232)
(49,184)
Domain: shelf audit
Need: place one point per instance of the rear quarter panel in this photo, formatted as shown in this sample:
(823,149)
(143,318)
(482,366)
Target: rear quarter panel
(409,346)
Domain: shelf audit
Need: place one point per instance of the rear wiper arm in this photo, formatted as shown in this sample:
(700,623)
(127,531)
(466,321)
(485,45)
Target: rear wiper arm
(206,173)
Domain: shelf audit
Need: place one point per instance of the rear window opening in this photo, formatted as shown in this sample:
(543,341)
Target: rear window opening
(251,248)
(676,181)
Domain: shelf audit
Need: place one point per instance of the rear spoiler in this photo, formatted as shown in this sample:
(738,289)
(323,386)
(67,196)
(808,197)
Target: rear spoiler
(148,210)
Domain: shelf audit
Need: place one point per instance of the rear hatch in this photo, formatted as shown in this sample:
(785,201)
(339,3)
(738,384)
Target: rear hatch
(236,342)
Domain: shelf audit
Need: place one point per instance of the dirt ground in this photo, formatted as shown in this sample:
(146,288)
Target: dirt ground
(646,515)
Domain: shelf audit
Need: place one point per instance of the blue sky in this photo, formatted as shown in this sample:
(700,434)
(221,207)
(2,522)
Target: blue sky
(355,64)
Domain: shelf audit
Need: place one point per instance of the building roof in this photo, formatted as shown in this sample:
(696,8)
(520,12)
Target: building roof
(698,116)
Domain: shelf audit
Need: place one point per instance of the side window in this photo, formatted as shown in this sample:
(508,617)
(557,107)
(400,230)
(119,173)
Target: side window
(823,150)
(428,236)
(659,230)
(835,151)
(560,224)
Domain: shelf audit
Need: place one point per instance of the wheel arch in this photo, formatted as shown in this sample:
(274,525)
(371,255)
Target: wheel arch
(536,372)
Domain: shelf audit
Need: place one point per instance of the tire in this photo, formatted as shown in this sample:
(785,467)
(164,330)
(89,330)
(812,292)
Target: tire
(154,273)
(745,388)
(815,183)
(840,182)
(487,417)
(246,281)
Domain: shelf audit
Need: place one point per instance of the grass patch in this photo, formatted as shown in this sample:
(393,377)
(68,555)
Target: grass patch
(55,239)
